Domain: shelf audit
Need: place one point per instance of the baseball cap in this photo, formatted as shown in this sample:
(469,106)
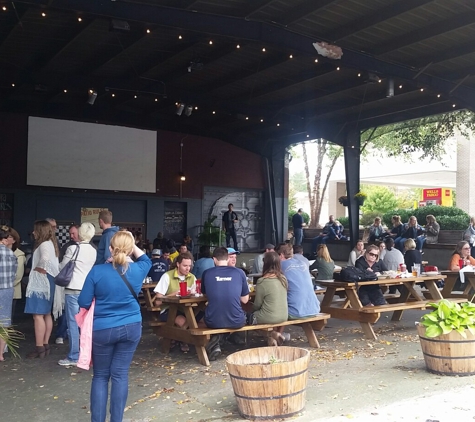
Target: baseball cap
(269,246)
(232,251)
(156,252)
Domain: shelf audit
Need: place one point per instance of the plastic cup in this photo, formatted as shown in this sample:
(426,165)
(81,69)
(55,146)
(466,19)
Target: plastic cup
(403,268)
(414,271)
(183,288)
(461,263)
(198,286)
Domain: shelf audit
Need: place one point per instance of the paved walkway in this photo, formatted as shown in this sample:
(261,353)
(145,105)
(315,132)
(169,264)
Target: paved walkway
(350,378)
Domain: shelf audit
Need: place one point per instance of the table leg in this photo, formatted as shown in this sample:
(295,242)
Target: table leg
(311,337)
(355,303)
(434,291)
(449,284)
(471,283)
(397,315)
(200,348)
(328,296)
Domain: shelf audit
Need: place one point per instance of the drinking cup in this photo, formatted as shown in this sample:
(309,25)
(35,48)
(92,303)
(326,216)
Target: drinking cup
(198,286)
(461,262)
(403,268)
(414,271)
(418,268)
(183,288)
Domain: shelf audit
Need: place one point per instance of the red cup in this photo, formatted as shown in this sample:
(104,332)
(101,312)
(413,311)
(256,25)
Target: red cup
(461,262)
(183,288)
(198,286)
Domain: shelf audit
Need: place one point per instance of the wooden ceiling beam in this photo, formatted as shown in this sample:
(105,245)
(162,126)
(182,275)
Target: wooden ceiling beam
(302,10)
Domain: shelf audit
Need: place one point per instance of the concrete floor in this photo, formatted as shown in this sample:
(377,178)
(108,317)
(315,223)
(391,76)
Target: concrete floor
(350,378)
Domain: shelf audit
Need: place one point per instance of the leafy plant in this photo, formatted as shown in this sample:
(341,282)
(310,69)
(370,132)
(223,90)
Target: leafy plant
(361,195)
(343,200)
(448,316)
(344,221)
(306,217)
(11,337)
(211,235)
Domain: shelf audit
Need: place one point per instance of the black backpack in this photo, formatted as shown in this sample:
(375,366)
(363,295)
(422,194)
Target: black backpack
(354,275)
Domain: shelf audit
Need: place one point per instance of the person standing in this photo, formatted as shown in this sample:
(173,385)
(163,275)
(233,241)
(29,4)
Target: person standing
(73,240)
(41,297)
(297,224)
(229,218)
(85,257)
(8,267)
(108,230)
(117,326)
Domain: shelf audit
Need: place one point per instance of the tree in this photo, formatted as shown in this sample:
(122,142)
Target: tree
(380,199)
(415,139)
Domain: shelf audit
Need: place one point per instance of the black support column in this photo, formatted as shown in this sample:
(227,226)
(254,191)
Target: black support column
(352,170)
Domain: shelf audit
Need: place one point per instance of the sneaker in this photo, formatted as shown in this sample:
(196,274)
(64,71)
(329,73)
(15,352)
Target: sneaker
(59,340)
(67,362)
(215,352)
(286,336)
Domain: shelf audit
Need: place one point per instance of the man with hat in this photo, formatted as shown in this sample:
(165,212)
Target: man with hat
(159,265)
(259,260)
(232,256)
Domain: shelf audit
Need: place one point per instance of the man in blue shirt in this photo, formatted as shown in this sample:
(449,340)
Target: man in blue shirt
(205,262)
(108,230)
(159,266)
(226,288)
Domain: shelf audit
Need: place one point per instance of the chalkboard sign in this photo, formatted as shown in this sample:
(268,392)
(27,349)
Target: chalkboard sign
(174,222)
(6,209)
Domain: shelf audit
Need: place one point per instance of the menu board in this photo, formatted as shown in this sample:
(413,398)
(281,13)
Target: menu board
(174,221)
(6,209)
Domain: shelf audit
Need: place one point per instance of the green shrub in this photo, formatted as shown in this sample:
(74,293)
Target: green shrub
(345,222)
(449,218)
(306,217)
(368,218)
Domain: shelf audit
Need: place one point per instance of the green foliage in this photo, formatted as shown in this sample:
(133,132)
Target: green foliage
(448,316)
(380,199)
(368,218)
(11,338)
(211,235)
(344,221)
(449,218)
(306,217)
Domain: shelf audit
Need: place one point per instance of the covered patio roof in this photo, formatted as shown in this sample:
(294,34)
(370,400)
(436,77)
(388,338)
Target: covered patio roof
(248,70)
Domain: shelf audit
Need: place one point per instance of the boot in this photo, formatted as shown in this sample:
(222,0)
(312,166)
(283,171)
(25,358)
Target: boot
(38,353)
(47,349)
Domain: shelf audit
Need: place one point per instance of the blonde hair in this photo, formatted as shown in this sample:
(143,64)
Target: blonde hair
(410,245)
(324,253)
(86,232)
(396,219)
(122,245)
(430,218)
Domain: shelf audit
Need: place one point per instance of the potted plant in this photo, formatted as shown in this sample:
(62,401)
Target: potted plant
(360,198)
(447,336)
(343,200)
(211,235)
(11,337)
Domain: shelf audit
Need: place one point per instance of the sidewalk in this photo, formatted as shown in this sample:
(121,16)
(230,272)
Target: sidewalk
(350,378)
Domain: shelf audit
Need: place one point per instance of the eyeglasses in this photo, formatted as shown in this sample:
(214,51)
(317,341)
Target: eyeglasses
(373,254)
(467,247)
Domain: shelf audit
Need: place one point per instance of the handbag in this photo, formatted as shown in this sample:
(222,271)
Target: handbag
(129,286)
(66,274)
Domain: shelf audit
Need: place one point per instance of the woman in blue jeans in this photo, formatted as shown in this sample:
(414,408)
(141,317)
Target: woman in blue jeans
(117,325)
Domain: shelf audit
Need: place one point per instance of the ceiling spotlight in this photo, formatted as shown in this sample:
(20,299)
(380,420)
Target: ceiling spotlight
(13,85)
(188,110)
(264,50)
(359,75)
(180,108)
(182,176)
(4,8)
(92,95)
(65,91)
(262,120)
(135,96)
(316,60)
(79,19)
(43,14)
(337,68)
(180,37)
(422,89)
(238,46)
(214,112)
(400,86)
(156,99)
(291,56)
(438,95)
(113,95)
(148,31)
(210,42)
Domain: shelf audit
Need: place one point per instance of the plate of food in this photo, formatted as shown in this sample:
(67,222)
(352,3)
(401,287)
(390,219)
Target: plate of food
(431,273)
(383,276)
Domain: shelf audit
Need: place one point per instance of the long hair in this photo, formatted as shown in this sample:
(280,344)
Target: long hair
(44,232)
(459,246)
(272,266)
(324,253)
(122,245)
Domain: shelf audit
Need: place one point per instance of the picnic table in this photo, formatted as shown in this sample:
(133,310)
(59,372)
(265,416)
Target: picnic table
(468,287)
(351,308)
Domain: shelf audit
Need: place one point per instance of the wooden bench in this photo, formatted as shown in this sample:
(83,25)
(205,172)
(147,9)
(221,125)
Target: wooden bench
(308,324)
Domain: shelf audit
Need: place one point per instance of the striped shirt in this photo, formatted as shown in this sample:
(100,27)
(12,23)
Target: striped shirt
(8,267)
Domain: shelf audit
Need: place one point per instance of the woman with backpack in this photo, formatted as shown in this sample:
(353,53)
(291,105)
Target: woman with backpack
(371,295)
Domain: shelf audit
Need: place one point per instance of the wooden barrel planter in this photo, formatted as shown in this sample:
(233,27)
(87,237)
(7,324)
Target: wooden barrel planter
(269,382)
(448,354)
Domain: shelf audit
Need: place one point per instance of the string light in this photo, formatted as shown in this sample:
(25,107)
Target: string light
(65,91)
(210,42)
(247,118)
(156,99)
(278,124)
(359,75)
(180,37)
(264,50)
(238,46)
(400,86)
(113,95)
(4,8)
(262,120)
(13,85)
(422,89)
(214,112)
(43,14)
(291,56)
(438,95)
(338,68)
(79,19)
(316,60)
(379,80)
(453,105)
(135,96)
(148,31)
(196,108)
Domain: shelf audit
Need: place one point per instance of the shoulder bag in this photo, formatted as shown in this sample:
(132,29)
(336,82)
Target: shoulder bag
(128,285)
(66,274)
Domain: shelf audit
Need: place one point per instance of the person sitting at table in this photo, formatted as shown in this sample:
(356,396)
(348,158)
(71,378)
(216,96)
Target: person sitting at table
(298,254)
(259,259)
(396,230)
(203,263)
(226,289)
(301,299)
(159,266)
(412,255)
(382,248)
(323,264)
(461,252)
(270,302)
(376,230)
(169,285)
(410,230)
(371,295)
(357,251)
(393,258)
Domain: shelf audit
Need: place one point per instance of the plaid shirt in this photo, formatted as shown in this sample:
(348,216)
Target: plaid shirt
(8,266)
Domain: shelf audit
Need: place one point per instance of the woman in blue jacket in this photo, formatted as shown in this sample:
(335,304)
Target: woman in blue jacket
(117,325)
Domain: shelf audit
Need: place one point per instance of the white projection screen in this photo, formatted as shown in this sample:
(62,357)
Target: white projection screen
(63,153)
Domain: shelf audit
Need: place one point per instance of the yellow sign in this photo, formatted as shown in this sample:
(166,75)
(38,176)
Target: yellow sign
(91,215)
